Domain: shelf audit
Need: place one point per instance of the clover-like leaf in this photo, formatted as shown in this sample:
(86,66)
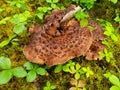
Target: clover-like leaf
(115,88)
(58,68)
(77,76)
(19,28)
(19,72)
(31,76)
(5,76)
(41,71)
(114,80)
(28,65)
(83,22)
(5,63)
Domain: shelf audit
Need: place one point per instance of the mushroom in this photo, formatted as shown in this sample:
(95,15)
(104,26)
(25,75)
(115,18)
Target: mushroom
(55,42)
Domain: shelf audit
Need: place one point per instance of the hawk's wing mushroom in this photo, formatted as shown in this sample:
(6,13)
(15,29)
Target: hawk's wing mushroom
(55,43)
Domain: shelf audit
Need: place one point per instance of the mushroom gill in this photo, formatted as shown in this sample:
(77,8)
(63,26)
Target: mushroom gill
(55,43)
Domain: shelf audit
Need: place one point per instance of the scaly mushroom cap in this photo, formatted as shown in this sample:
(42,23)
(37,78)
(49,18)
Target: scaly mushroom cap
(55,43)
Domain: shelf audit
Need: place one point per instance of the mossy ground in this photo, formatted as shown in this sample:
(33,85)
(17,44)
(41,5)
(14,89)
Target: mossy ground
(101,9)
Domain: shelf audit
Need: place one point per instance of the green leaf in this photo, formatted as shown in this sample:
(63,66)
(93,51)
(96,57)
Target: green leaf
(28,65)
(115,88)
(91,28)
(66,68)
(19,72)
(39,15)
(48,83)
(5,63)
(49,1)
(58,68)
(114,80)
(102,55)
(4,20)
(54,6)
(77,66)
(19,29)
(72,69)
(41,71)
(31,76)
(1,9)
(117,18)
(53,87)
(5,76)
(114,1)
(77,76)
(55,1)
(83,22)
(114,37)
(80,15)
(4,43)
(15,19)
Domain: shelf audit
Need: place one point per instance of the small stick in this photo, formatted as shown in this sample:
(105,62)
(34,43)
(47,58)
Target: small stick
(70,14)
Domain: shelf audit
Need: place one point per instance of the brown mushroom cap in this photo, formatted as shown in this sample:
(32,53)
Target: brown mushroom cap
(54,43)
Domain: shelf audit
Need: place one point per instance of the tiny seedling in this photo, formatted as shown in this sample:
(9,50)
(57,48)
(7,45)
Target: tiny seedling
(33,70)
(77,84)
(108,55)
(74,68)
(110,31)
(114,80)
(7,73)
(53,3)
(81,15)
(49,86)
(7,41)
(42,11)
(20,20)
(19,3)
(117,18)
(4,20)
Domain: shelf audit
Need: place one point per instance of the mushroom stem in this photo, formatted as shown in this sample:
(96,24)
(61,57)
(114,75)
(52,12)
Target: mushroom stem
(70,14)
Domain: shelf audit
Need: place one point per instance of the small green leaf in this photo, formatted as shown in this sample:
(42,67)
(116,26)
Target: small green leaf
(114,1)
(5,63)
(4,20)
(83,22)
(19,72)
(114,80)
(114,37)
(5,76)
(54,6)
(31,76)
(77,76)
(77,66)
(91,28)
(80,15)
(66,68)
(115,88)
(15,19)
(53,87)
(49,1)
(28,65)
(48,83)
(58,68)
(4,43)
(19,29)
(40,15)
(41,71)
(1,9)
(55,1)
